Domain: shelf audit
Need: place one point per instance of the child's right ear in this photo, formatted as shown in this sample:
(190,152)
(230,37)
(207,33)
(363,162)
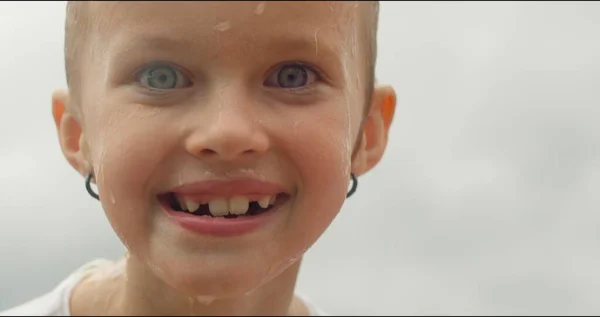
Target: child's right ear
(69,131)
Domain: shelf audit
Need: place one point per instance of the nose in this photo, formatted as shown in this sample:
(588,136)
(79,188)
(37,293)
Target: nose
(229,134)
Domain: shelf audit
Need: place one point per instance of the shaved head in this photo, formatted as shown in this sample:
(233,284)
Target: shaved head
(76,29)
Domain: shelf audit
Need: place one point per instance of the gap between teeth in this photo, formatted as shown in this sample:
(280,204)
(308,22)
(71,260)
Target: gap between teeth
(220,207)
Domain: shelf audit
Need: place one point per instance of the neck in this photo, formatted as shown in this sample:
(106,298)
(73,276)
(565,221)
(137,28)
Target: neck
(139,292)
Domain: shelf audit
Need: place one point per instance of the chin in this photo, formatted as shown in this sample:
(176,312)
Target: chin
(215,281)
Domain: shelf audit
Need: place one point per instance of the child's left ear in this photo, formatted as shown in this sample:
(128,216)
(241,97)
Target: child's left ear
(375,130)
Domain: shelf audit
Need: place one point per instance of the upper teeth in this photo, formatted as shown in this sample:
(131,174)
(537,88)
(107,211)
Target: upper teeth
(218,207)
(238,205)
(191,205)
(264,202)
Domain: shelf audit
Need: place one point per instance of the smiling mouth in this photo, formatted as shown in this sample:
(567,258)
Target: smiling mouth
(229,208)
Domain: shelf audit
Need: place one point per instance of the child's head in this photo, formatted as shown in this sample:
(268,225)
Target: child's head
(165,94)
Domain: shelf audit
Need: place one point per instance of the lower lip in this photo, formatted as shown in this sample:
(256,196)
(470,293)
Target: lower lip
(219,226)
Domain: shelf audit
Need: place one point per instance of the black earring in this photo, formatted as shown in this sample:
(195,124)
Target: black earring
(88,186)
(354,185)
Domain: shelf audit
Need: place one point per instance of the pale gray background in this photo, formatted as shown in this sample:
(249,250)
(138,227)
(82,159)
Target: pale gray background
(485,202)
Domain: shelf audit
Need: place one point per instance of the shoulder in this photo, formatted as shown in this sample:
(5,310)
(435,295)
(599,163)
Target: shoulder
(55,302)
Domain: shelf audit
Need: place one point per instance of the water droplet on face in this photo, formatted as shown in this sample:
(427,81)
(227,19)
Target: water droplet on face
(205,300)
(260,8)
(180,179)
(223,26)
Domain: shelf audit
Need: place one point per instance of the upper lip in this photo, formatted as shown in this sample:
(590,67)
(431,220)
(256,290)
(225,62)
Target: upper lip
(229,188)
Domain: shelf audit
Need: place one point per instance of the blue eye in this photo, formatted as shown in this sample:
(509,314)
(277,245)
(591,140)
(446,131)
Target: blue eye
(163,77)
(292,76)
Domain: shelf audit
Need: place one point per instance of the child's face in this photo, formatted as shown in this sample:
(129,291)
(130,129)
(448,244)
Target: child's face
(180,93)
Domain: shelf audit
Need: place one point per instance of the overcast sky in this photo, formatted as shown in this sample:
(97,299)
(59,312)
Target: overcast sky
(485,203)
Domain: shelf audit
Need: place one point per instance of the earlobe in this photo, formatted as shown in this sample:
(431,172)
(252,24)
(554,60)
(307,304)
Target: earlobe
(69,132)
(375,130)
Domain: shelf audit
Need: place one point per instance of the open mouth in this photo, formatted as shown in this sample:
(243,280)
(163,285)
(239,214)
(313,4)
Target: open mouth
(233,207)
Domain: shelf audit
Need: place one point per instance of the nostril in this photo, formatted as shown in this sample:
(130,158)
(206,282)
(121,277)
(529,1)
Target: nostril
(208,152)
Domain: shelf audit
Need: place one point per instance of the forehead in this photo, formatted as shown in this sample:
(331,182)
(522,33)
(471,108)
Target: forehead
(211,11)
(226,24)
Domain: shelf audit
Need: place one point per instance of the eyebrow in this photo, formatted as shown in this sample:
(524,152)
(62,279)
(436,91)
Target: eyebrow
(329,57)
(151,42)
(302,43)
(160,41)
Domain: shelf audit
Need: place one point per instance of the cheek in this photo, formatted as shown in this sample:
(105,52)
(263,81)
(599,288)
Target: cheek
(325,143)
(125,151)
(319,147)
